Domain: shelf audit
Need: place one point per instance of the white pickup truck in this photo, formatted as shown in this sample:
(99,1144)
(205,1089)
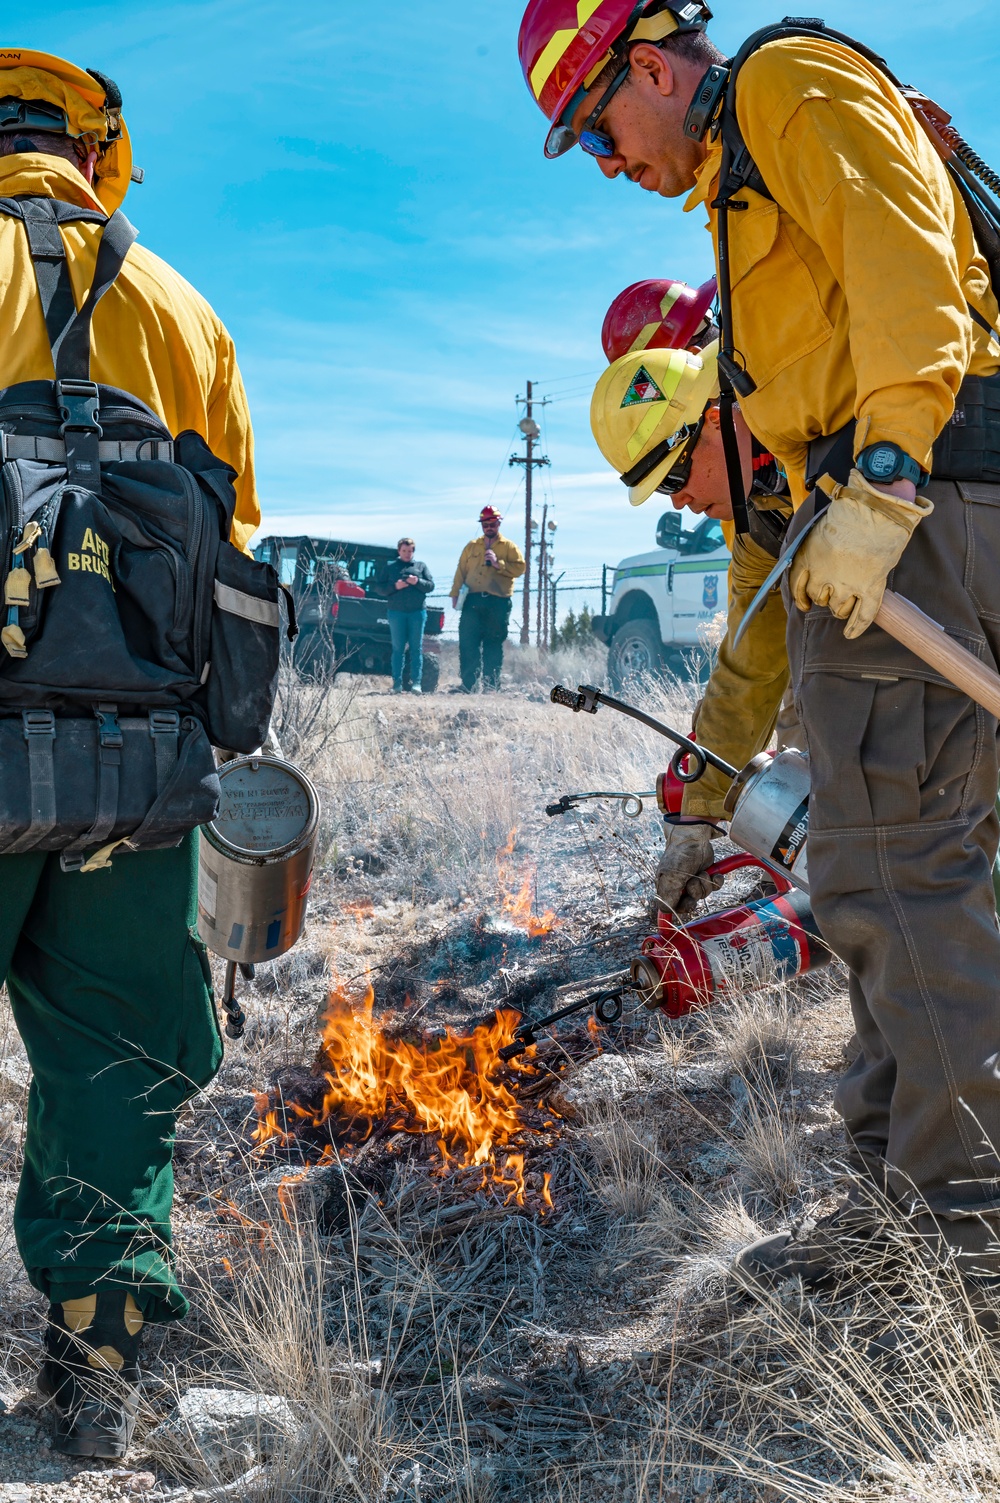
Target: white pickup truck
(660,599)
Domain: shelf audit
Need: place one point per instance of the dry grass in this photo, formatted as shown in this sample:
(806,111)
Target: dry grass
(434,1347)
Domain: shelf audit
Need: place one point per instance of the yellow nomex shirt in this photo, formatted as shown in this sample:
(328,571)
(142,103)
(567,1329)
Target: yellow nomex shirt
(852,290)
(474,572)
(153,335)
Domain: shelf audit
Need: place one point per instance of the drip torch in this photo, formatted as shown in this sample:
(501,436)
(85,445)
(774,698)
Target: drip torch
(774,937)
(255,865)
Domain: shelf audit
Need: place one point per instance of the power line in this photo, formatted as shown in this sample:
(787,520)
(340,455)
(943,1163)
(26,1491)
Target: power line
(558,380)
(510,445)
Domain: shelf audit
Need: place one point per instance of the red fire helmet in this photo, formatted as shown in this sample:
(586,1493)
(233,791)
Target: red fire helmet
(564,44)
(656,315)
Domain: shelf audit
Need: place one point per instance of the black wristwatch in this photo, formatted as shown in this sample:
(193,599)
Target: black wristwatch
(881,464)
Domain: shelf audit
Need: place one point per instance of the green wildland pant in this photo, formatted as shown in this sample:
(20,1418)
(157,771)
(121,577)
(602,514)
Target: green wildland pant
(482,631)
(903,833)
(111,993)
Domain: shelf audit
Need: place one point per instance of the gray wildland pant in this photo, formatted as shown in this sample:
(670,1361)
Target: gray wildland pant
(903,834)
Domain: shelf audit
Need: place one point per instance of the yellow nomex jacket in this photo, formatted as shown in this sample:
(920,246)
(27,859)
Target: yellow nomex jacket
(153,335)
(476,574)
(743,696)
(852,290)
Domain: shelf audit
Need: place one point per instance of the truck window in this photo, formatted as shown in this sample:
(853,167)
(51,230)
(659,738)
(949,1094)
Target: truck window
(705,538)
(287,560)
(364,572)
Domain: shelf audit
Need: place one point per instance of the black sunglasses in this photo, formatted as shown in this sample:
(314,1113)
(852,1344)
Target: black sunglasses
(680,471)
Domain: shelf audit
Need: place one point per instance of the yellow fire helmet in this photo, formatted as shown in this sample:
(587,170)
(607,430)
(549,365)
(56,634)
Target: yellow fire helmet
(646,407)
(87,107)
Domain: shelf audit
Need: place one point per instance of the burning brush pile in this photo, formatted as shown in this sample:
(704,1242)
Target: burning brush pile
(384,1092)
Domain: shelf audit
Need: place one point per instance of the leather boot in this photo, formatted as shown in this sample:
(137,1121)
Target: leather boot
(816,1251)
(90,1372)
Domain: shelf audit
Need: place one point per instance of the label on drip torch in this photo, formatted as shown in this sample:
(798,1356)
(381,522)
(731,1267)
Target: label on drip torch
(791,842)
(756,956)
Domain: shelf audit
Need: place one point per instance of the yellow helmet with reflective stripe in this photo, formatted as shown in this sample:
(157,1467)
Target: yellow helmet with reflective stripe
(84,105)
(645,409)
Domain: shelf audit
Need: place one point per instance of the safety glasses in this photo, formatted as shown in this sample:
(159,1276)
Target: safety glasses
(686,440)
(595,143)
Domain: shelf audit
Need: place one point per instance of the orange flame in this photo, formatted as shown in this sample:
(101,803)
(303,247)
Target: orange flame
(445,1087)
(517,906)
(360,911)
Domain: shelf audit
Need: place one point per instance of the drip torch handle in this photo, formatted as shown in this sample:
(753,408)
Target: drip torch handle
(236,1018)
(743,859)
(931,643)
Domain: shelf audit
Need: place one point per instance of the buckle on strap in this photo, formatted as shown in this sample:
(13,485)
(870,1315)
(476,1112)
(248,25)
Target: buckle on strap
(164,723)
(38,723)
(79,405)
(110,730)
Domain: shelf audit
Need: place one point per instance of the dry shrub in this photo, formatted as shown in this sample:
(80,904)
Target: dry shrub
(264,1332)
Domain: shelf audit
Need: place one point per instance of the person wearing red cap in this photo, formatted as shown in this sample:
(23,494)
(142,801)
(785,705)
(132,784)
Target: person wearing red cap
(487,569)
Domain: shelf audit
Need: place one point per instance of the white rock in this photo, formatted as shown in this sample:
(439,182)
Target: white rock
(594,1086)
(219,1433)
(14,1073)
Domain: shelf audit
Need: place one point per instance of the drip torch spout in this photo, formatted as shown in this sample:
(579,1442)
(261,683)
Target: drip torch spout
(631,803)
(589,699)
(606,1007)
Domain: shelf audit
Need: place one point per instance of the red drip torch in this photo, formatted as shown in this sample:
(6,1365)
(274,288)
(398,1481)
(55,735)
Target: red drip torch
(773,938)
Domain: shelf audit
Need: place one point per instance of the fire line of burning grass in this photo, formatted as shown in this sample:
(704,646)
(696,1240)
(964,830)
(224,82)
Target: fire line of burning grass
(517,905)
(448,1088)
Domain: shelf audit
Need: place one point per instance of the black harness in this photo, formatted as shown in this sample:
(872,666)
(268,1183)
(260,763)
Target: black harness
(713,111)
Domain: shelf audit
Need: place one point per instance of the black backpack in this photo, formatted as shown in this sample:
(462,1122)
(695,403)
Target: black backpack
(135,636)
(969,448)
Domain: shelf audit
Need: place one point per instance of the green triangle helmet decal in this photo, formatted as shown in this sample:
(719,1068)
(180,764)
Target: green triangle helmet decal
(642,389)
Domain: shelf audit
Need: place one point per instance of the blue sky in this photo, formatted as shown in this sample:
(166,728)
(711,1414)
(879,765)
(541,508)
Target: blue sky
(360,191)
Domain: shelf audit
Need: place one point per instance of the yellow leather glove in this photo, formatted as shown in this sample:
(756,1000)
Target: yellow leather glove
(850,553)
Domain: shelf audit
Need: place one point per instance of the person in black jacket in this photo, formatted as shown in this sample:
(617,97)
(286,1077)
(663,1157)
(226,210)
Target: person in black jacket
(406,584)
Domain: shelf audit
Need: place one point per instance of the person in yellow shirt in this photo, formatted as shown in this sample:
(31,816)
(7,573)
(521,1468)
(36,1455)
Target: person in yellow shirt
(111,991)
(745,699)
(487,569)
(865,326)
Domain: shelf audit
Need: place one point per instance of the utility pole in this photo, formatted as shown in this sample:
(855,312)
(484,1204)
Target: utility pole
(540,591)
(549,619)
(555,613)
(531,432)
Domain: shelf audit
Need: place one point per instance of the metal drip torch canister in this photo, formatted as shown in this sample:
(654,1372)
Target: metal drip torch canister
(768,808)
(772,939)
(255,865)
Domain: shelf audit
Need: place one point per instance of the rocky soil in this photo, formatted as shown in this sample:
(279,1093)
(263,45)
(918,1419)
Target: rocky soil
(392,1325)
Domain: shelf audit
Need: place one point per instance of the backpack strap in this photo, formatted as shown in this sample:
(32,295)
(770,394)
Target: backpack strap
(41,218)
(739,171)
(76,394)
(40,734)
(69,329)
(72,355)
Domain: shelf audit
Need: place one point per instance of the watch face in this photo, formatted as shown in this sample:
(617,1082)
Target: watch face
(882,461)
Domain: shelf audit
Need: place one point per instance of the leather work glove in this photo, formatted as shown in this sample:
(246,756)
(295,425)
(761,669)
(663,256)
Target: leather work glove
(681,878)
(846,559)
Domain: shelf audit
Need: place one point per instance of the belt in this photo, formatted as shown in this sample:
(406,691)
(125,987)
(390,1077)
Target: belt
(967,449)
(486,595)
(110,451)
